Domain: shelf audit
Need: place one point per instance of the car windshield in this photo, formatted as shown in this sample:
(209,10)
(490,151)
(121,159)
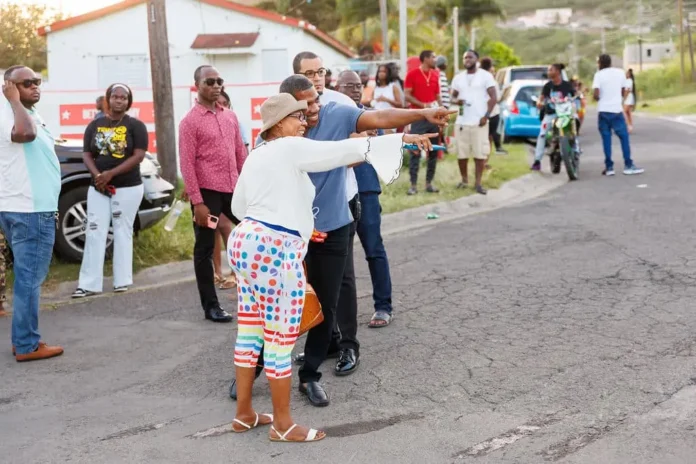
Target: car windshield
(528,74)
(525,94)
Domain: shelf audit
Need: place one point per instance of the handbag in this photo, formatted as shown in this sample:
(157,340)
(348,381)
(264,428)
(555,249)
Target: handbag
(312,314)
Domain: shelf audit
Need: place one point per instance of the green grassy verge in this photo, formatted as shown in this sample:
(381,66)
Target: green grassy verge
(683,104)
(503,169)
(156,246)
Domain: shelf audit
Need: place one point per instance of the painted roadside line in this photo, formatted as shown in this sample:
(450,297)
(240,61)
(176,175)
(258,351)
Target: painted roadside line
(516,191)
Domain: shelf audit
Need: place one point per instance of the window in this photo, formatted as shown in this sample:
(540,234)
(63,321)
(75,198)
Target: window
(131,70)
(275,65)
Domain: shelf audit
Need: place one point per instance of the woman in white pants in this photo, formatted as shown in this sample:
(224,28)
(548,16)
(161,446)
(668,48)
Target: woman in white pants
(114,147)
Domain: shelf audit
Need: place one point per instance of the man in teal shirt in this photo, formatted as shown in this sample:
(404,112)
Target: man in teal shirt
(29,189)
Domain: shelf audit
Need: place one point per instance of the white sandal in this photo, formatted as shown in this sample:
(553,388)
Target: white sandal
(311,435)
(249,427)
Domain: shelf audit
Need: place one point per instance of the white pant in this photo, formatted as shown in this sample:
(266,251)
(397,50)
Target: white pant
(102,211)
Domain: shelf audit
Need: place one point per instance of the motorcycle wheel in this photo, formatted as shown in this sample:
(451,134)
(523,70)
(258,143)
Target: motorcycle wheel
(569,158)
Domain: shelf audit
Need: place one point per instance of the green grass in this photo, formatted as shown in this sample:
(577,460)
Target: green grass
(504,168)
(683,104)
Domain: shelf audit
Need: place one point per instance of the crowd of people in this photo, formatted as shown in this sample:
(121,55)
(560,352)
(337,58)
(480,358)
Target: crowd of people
(288,210)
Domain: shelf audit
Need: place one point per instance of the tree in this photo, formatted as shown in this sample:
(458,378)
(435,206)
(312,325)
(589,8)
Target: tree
(19,40)
(501,54)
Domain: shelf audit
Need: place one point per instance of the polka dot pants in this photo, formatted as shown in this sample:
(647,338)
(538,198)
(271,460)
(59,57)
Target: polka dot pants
(270,287)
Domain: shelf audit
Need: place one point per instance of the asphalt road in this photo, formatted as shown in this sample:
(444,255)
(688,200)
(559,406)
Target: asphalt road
(562,330)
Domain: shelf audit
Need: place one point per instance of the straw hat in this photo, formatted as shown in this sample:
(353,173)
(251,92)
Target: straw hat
(277,108)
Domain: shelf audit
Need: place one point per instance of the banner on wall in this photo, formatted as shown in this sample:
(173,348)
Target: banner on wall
(82,114)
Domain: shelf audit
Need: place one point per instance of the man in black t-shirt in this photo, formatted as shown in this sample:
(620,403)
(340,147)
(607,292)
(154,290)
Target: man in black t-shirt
(554,90)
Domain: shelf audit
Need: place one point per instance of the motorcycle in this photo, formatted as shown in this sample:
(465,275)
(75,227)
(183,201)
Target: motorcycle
(561,138)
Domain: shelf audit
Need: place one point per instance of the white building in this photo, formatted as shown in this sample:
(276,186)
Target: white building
(654,55)
(252,48)
(542,18)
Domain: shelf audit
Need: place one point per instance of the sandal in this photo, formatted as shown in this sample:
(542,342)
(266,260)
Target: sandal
(249,427)
(228,283)
(311,436)
(380,319)
(218,279)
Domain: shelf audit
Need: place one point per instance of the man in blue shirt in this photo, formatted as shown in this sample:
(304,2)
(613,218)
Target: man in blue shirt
(326,261)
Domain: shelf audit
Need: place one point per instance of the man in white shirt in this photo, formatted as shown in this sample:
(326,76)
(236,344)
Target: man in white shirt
(609,86)
(29,190)
(474,91)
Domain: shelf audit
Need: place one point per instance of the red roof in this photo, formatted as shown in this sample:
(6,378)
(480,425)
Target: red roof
(227,4)
(241,40)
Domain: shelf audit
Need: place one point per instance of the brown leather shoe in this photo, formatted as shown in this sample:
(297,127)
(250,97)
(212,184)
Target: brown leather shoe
(42,352)
(14,350)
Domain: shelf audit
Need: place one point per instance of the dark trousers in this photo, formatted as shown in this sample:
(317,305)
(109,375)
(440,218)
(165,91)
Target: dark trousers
(346,333)
(493,123)
(326,263)
(423,127)
(370,233)
(218,203)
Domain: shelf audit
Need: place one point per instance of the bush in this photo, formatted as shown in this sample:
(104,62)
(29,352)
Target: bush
(663,82)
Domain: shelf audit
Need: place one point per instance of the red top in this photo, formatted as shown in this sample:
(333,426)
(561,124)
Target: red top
(211,151)
(424,85)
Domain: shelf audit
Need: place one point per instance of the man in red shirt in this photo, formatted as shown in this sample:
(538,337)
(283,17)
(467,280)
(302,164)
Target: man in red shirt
(211,155)
(422,89)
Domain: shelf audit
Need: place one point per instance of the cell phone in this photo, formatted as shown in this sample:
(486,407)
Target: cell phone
(413,146)
(212,221)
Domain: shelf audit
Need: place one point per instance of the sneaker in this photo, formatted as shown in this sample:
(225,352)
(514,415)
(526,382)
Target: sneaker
(480,190)
(536,166)
(412,191)
(463,185)
(608,172)
(120,289)
(431,189)
(81,293)
(501,151)
(633,170)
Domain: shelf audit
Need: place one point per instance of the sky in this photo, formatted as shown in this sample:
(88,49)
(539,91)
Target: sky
(68,7)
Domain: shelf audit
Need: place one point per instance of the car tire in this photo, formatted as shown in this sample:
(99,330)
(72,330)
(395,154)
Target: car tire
(72,208)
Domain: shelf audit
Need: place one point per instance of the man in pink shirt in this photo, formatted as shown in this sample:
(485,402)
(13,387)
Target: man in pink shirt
(211,155)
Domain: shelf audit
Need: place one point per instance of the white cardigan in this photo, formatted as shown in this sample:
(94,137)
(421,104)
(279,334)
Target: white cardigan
(274,186)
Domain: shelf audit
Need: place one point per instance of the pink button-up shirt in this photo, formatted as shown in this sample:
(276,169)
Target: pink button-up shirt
(211,151)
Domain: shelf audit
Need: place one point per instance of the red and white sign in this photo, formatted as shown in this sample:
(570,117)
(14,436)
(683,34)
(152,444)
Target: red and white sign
(255,135)
(256,108)
(83,113)
(151,137)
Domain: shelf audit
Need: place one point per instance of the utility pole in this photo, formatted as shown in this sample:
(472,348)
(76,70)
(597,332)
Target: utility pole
(574,27)
(403,38)
(455,32)
(682,46)
(691,52)
(640,54)
(162,89)
(385,28)
(472,40)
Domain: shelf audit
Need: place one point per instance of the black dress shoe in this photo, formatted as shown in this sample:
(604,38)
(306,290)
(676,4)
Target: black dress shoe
(233,385)
(315,393)
(299,359)
(348,362)
(218,315)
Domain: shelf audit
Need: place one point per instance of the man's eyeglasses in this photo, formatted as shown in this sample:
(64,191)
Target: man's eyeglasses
(352,86)
(211,81)
(321,72)
(28,83)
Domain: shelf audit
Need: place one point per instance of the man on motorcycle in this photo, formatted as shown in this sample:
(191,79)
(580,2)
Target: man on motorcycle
(555,89)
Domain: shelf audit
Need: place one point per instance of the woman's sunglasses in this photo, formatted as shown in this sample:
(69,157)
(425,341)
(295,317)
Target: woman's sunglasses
(27,83)
(211,81)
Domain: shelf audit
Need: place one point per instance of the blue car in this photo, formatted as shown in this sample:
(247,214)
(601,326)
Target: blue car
(519,116)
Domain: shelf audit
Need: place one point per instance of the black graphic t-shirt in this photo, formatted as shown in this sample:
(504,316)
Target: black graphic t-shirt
(552,92)
(112,143)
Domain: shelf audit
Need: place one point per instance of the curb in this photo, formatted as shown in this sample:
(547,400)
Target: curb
(686,120)
(527,187)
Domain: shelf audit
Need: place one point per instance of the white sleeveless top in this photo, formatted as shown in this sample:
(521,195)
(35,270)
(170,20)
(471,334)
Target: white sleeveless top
(388,92)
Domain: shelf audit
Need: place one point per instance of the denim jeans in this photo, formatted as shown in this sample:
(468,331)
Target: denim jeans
(370,233)
(609,122)
(31,237)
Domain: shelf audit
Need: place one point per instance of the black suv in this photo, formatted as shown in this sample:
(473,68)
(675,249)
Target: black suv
(72,204)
